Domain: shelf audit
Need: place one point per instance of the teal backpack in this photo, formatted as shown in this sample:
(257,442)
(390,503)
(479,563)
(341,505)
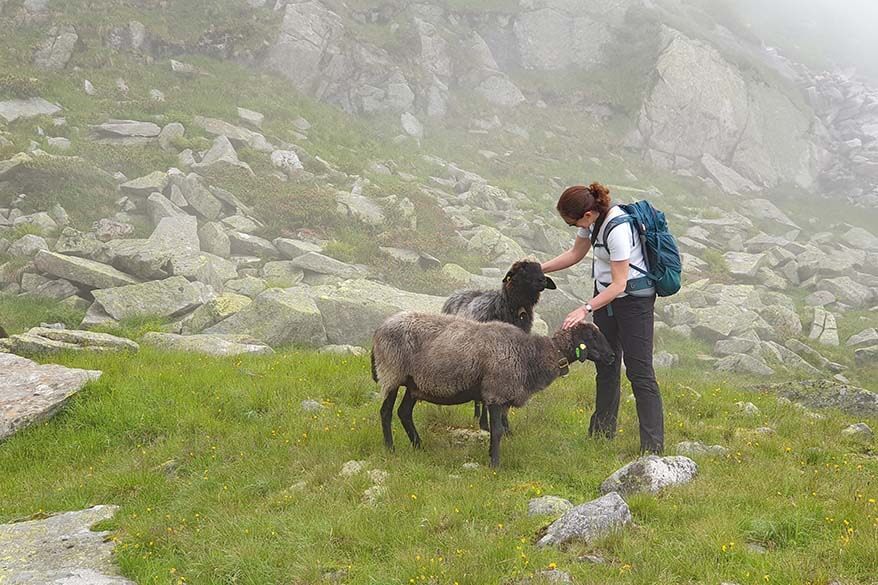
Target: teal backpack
(665,267)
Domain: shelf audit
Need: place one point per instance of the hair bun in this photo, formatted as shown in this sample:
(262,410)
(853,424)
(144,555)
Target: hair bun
(601,195)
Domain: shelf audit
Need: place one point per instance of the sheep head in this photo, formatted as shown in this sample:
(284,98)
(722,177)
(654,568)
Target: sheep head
(585,342)
(526,279)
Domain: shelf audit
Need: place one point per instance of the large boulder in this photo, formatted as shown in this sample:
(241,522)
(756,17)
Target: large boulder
(743,364)
(198,196)
(827,394)
(588,522)
(848,291)
(87,273)
(56,50)
(144,186)
(62,549)
(32,392)
(353,309)
(12,110)
(44,341)
(823,328)
(27,246)
(221,155)
(316,262)
(204,267)
(651,474)
(250,245)
(216,310)
(277,317)
(549,39)
(492,244)
(216,345)
(167,298)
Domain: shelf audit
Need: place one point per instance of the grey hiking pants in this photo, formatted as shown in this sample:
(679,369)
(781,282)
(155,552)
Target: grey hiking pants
(629,325)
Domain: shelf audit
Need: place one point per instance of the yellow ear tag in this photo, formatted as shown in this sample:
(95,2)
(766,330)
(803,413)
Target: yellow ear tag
(579,350)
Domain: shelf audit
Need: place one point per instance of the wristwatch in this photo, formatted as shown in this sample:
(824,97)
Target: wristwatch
(588,308)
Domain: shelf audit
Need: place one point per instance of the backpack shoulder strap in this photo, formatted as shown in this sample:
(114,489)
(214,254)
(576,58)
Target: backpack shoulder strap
(614,223)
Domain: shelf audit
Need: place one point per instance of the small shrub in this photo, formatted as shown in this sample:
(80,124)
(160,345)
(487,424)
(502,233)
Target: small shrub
(20,87)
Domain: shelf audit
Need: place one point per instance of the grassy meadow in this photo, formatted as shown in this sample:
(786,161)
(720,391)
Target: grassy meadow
(221,478)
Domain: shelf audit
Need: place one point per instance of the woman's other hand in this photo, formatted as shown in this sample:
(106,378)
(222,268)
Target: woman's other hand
(574,318)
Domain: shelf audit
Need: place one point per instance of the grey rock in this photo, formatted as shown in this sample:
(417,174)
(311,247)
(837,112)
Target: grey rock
(547,576)
(158,207)
(734,346)
(360,208)
(500,91)
(827,394)
(664,360)
(109,229)
(240,223)
(650,474)
(548,506)
(411,125)
(287,161)
(215,345)
(57,290)
(33,393)
(251,117)
(213,239)
(27,246)
(248,286)
(860,239)
(250,245)
(62,550)
(87,273)
(154,182)
(495,246)
(141,258)
(284,271)
(823,328)
(784,321)
(58,143)
(588,521)
(311,406)
(30,281)
(699,449)
(40,220)
(162,298)
(744,364)
(169,134)
(55,52)
(12,110)
(290,248)
(747,408)
(215,310)
(277,317)
(344,350)
(846,290)
(728,179)
(865,337)
(128,129)
(314,262)
(859,431)
(743,264)
(198,196)
(221,155)
(41,341)
(866,355)
(204,267)
(353,309)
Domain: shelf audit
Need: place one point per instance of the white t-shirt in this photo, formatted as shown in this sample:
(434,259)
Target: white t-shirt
(623,244)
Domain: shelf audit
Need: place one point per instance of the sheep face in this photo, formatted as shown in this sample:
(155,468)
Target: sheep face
(527,277)
(597,348)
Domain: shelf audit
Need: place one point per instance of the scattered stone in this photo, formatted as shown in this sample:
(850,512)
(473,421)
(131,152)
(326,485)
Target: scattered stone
(378,476)
(866,355)
(90,274)
(470,466)
(287,162)
(27,246)
(827,394)
(547,577)
(214,311)
(374,495)
(824,328)
(222,155)
(548,506)
(33,393)
(250,245)
(89,88)
(12,110)
(359,208)
(61,549)
(215,345)
(312,406)
(315,262)
(251,117)
(143,187)
(58,143)
(867,337)
(859,431)
(55,52)
(166,298)
(664,360)
(651,474)
(109,229)
(747,408)
(697,449)
(277,317)
(743,364)
(294,248)
(588,521)
(169,134)
(344,350)
(128,129)
(41,341)
(352,468)
(411,125)
(248,286)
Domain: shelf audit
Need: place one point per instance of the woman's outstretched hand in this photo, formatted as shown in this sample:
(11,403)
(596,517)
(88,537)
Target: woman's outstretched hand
(574,318)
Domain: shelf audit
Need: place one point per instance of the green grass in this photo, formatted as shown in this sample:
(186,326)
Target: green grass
(18,314)
(222,479)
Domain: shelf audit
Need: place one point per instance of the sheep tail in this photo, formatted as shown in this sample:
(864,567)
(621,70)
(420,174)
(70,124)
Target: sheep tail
(374,371)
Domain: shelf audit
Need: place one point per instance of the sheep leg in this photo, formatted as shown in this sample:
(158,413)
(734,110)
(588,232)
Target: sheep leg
(506,429)
(483,420)
(405,415)
(477,408)
(496,415)
(387,417)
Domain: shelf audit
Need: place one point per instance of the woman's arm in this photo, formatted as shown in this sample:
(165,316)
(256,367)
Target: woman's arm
(619,270)
(580,248)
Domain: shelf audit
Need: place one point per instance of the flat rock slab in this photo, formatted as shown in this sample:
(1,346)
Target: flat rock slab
(159,298)
(59,550)
(827,394)
(43,341)
(30,393)
(651,474)
(216,345)
(12,110)
(277,317)
(87,273)
(588,521)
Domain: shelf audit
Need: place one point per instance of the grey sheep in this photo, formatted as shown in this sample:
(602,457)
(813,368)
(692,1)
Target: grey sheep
(513,303)
(445,359)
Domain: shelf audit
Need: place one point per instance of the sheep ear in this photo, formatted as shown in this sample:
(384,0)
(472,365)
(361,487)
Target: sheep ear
(508,277)
(550,284)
